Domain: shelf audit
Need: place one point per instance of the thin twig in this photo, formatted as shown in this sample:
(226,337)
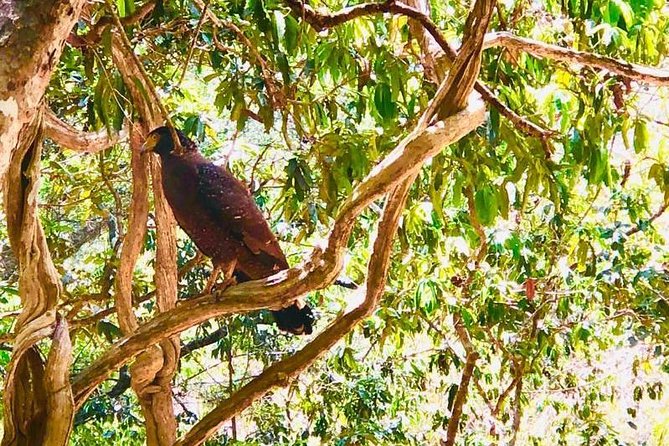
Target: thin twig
(203,15)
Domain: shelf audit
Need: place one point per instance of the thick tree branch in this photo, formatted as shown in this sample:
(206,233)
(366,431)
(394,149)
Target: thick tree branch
(460,399)
(284,287)
(134,239)
(69,137)
(39,289)
(162,428)
(517,409)
(59,401)
(153,370)
(21,424)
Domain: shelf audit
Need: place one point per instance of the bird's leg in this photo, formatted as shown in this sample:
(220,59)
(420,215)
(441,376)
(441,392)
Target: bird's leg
(208,288)
(228,272)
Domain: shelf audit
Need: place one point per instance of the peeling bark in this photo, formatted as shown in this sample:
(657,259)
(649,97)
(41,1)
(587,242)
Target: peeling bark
(59,401)
(166,282)
(134,239)
(32,34)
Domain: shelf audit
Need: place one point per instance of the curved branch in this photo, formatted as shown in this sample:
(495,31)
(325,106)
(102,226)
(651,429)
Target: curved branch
(284,287)
(460,399)
(70,137)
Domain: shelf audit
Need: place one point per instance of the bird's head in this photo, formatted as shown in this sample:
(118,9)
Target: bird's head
(161,142)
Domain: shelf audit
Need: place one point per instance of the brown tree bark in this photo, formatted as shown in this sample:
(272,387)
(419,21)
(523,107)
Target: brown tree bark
(32,34)
(71,138)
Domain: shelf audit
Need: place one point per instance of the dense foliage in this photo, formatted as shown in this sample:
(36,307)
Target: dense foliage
(551,253)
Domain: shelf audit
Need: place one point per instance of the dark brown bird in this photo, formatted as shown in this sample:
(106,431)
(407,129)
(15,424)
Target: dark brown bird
(219,214)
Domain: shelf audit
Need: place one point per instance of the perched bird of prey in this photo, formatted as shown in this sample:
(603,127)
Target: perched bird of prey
(219,214)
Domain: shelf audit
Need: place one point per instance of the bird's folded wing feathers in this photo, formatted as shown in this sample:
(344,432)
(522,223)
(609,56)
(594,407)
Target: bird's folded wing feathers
(230,203)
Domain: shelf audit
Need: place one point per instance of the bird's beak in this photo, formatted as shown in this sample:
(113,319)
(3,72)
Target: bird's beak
(149,145)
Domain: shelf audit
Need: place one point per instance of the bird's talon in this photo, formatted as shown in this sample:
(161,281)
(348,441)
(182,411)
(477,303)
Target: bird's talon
(218,290)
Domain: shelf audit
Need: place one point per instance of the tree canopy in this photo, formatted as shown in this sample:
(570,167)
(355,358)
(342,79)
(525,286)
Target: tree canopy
(492,175)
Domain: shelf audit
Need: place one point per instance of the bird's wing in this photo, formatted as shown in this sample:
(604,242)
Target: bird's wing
(230,203)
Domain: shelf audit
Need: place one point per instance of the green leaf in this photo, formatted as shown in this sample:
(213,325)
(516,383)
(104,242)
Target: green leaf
(625,11)
(452,392)
(503,196)
(486,205)
(493,125)
(641,136)
(120,7)
(657,173)
(625,132)
(383,101)
(130,7)
(260,16)
(282,63)
(290,36)
(108,330)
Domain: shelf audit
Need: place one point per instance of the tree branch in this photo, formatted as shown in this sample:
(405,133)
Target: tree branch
(460,399)
(59,401)
(639,73)
(69,137)
(33,35)
(650,220)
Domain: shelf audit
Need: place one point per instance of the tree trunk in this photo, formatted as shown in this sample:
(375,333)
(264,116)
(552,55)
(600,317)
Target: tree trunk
(32,34)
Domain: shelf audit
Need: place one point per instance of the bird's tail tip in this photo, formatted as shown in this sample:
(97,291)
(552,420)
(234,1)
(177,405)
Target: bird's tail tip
(294,319)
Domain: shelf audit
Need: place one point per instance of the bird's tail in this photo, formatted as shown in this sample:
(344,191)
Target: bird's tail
(294,319)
